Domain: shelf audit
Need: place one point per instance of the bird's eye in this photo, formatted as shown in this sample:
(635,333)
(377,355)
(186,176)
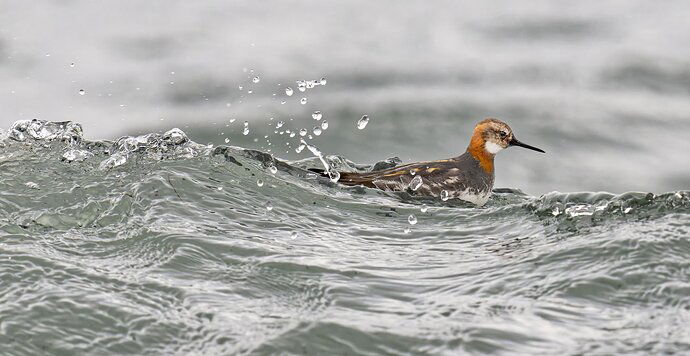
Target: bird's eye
(502,134)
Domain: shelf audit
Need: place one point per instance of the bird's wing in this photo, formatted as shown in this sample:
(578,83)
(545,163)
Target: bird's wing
(400,176)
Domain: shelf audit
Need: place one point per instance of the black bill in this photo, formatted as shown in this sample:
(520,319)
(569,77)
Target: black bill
(515,142)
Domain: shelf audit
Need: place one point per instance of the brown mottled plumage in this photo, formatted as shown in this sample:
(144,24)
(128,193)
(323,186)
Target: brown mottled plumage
(468,177)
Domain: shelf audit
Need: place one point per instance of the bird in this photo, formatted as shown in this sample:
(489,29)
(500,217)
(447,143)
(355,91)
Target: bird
(467,177)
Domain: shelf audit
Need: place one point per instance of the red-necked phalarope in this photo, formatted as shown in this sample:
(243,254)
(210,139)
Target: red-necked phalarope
(468,177)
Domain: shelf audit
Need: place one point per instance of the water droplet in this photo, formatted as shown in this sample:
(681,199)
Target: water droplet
(240,87)
(334,175)
(416,183)
(317,115)
(282,102)
(175,136)
(424,208)
(280,124)
(113,161)
(246,128)
(362,123)
(444,195)
(323,81)
(407,230)
(260,182)
(31,185)
(269,207)
(412,219)
(303,101)
(301,85)
(76,155)
(303,132)
(627,210)
(293,235)
(292,134)
(256,79)
(82,91)
(556,211)
(317,131)
(272,169)
(300,148)
(72,64)
(324,125)
(227,140)
(232,120)
(288,91)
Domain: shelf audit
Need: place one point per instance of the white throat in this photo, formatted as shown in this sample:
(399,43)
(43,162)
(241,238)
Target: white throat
(492,148)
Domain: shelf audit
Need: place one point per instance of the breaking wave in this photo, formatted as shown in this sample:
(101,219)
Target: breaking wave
(158,244)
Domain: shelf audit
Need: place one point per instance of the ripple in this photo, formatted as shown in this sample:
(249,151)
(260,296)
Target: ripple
(174,251)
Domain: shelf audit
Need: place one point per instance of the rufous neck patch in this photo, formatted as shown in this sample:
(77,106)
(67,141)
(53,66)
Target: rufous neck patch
(477,150)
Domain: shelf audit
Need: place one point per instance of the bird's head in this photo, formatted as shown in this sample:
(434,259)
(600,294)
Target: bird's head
(493,136)
(490,137)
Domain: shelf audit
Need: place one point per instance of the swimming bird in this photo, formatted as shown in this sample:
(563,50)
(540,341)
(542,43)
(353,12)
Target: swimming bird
(468,177)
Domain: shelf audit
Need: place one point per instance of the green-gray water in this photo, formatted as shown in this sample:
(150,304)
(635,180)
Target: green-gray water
(158,245)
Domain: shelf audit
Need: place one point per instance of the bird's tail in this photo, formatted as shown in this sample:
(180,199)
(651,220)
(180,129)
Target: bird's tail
(319,171)
(347,178)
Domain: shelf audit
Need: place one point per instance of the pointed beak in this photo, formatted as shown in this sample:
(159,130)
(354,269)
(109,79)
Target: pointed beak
(515,142)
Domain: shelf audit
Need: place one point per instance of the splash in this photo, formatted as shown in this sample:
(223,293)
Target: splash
(195,237)
(170,145)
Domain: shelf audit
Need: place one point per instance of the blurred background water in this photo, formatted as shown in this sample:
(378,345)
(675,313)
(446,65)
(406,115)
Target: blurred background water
(103,249)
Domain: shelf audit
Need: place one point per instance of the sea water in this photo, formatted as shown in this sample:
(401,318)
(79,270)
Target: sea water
(156,244)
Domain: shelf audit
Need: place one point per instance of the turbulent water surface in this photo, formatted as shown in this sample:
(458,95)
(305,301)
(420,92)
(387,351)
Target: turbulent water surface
(159,245)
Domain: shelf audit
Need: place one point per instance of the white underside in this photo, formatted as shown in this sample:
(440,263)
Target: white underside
(492,148)
(478,199)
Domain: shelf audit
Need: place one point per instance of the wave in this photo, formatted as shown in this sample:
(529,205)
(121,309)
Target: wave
(43,144)
(164,245)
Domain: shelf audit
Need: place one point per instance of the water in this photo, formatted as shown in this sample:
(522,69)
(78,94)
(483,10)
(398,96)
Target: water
(605,118)
(159,242)
(416,183)
(178,249)
(362,122)
(245,130)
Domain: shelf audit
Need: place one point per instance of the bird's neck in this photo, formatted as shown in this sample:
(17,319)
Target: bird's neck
(478,150)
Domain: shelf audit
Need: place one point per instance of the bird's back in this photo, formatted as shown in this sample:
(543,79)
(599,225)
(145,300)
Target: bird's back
(461,177)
